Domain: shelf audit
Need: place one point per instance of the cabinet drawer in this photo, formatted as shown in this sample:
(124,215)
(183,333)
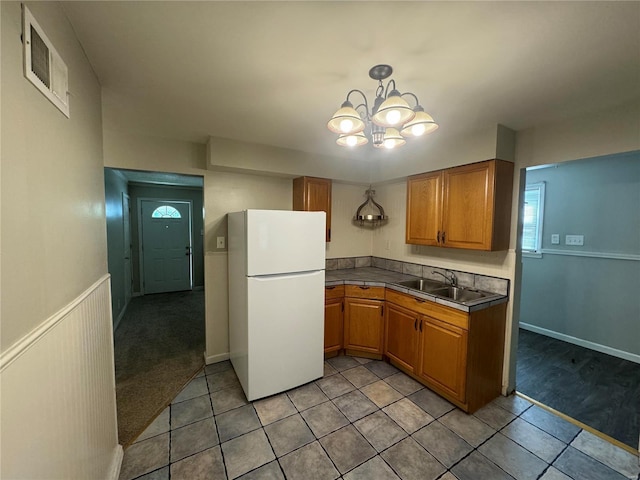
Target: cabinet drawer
(364,291)
(334,291)
(441,312)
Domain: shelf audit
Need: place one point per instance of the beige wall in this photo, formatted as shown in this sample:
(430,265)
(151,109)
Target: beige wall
(56,363)
(53,221)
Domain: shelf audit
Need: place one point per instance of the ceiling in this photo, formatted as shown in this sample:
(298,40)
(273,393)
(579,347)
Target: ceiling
(274,72)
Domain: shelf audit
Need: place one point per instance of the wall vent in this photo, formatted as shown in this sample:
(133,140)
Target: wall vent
(43,66)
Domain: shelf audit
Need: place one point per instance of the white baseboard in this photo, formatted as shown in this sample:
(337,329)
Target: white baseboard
(221,357)
(116,463)
(632,357)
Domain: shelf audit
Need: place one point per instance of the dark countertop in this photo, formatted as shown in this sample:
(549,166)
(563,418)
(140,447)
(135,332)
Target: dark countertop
(378,277)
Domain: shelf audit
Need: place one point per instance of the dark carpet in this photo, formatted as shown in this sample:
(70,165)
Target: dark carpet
(596,389)
(159,347)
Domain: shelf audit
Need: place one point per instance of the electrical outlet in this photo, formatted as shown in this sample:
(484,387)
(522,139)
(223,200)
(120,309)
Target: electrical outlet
(555,238)
(219,242)
(575,240)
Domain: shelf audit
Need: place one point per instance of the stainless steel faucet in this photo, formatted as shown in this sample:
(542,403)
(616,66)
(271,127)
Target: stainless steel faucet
(453,280)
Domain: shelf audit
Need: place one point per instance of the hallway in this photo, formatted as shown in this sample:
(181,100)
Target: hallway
(159,347)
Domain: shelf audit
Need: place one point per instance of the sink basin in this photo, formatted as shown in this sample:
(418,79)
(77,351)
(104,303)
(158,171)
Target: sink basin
(422,284)
(458,294)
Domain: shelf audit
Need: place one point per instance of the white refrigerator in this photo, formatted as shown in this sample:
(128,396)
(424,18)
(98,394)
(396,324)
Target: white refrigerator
(276,264)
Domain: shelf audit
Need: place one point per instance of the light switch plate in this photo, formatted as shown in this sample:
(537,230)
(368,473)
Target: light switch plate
(219,242)
(575,240)
(555,238)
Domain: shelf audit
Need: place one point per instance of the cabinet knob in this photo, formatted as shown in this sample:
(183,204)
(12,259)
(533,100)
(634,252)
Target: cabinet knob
(419,300)
(364,287)
(421,325)
(438,237)
(415,324)
(443,234)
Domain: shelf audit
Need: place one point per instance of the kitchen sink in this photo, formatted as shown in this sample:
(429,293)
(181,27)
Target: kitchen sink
(458,294)
(422,284)
(439,289)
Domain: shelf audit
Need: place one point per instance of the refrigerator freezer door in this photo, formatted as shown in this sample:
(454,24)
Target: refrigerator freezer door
(281,241)
(286,332)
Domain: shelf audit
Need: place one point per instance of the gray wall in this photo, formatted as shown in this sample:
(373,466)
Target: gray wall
(593,299)
(114,186)
(194,194)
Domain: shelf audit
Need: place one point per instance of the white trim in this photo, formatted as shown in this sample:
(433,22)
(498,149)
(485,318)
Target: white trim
(531,254)
(116,463)
(576,253)
(116,323)
(221,357)
(25,343)
(632,357)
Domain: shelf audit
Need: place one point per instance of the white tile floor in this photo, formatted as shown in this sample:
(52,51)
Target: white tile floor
(363,420)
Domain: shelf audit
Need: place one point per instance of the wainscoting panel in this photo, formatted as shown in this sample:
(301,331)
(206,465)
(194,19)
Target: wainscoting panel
(58,395)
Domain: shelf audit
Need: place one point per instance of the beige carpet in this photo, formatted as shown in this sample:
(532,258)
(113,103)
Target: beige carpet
(159,347)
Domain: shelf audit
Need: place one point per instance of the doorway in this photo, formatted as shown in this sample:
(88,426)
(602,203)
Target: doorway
(578,330)
(155,227)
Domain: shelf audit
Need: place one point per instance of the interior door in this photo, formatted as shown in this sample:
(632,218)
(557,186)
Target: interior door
(166,246)
(126,229)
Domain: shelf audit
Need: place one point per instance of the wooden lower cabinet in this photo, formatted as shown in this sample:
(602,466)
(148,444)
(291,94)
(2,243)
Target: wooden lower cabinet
(333,324)
(364,325)
(456,354)
(333,319)
(401,336)
(443,357)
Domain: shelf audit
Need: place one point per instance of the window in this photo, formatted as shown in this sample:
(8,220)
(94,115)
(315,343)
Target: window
(166,211)
(532,221)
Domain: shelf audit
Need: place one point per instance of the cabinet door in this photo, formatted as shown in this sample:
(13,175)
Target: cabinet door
(363,325)
(401,339)
(443,357)
(468,206)
(333,324)
(313,194)
(424,207)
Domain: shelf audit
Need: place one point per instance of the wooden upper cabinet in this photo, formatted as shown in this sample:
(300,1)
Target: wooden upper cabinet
(313,194)
(424,208)
(462,207)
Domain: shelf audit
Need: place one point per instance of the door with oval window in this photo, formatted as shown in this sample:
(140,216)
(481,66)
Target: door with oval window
(166,246)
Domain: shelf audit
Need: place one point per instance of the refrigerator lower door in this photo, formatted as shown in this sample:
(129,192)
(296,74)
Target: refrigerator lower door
(285,332)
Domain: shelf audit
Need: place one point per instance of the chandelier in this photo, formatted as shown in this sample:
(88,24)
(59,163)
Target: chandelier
(388,123)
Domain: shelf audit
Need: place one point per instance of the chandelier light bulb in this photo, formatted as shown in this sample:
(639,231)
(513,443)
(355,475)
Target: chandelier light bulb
(389,144)
(418,130)
(352,141)
(393,117)
(346,125)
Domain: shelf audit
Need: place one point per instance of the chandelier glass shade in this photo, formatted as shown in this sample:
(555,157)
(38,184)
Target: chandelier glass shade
(388,123)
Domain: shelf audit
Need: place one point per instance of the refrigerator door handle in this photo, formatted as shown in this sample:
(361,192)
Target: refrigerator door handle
(268,278)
